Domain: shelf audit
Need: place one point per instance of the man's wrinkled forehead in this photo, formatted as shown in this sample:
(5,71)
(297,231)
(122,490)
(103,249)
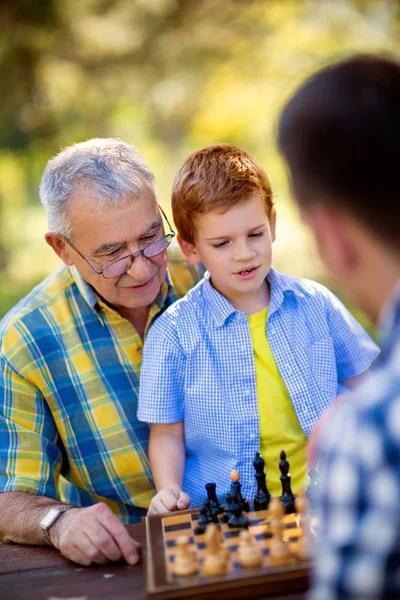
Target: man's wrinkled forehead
(114,223)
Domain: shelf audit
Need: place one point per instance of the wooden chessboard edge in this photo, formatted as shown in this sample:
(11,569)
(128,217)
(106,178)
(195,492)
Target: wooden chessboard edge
(233,588)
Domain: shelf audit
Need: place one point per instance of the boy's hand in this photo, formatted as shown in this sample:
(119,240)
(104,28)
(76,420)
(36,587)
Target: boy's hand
(167,500)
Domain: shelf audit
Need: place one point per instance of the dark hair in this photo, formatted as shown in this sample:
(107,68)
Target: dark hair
(340,136)
(216,178)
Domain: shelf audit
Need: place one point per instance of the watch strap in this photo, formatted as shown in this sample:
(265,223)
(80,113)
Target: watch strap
(62,508)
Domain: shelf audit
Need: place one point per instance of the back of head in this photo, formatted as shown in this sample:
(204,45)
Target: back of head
(216,178)
(107,168)
(340,135)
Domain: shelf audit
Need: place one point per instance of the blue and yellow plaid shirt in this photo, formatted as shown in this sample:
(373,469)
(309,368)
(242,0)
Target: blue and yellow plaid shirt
(69,379)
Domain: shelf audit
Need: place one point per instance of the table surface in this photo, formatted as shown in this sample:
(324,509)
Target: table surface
(41,573)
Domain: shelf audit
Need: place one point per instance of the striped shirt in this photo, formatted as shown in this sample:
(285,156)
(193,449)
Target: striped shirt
(198,367)
(358,554)
(69,378)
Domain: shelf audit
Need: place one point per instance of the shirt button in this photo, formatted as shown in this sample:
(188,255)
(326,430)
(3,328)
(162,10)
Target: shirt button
(288,369)
(247,393)
(250,482)
(252,436)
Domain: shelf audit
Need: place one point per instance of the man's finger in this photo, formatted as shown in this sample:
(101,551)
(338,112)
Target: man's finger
(128,547)
(104,541)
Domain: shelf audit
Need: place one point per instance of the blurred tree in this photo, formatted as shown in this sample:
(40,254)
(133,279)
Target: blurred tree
(168,76)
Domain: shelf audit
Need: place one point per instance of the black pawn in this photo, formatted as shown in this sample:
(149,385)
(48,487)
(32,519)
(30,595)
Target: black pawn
(287,497)
(212,500)
(262,497)
(312,490)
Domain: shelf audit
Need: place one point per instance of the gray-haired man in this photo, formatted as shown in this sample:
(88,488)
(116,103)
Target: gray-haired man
(73,457)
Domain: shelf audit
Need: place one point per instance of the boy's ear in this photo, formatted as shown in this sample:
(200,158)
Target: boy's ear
(189,250)
(272,224)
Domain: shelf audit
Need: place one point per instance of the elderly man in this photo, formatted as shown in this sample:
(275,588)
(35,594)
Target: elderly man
(340,135)
(73,457)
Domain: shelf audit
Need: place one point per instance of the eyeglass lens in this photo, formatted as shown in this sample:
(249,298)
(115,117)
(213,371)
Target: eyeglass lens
(124,264)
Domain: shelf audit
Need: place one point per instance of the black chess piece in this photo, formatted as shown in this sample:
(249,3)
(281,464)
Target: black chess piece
(262,497)
(235,491)
(312,490)
(227,511)
(212,500)
(238,517)
(287,497)
(212,517)
(202,521)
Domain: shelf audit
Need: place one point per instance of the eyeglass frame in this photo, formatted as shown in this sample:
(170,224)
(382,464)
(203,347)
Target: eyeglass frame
(132,256)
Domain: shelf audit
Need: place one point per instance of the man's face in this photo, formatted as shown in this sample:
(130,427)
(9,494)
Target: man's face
(103,235)
(236,248)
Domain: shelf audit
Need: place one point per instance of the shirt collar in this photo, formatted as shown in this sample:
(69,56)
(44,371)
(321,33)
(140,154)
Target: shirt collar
(96,303)
(221,308)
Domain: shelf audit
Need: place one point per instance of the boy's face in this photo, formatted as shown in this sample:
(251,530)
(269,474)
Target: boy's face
(235,247)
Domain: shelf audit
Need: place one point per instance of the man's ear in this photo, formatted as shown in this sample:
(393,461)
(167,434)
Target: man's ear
(189,250)
(333,234)
(59,246)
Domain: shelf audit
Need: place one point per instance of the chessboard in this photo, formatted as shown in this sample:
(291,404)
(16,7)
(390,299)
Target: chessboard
(163,531)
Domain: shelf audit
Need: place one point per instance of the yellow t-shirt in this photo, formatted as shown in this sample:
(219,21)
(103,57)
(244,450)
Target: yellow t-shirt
(279,426)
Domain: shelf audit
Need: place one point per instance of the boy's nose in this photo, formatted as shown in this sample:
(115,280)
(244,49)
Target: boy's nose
(243,251)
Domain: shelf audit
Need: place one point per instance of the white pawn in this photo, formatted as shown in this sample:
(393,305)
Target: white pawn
(249,554)
(185,561)
(216,555)
(279,553)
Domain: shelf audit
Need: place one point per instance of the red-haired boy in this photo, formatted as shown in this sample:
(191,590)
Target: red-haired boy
(250,358)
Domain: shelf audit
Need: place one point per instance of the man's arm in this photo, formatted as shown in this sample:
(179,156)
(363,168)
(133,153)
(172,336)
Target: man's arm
(167,460)
(83,535)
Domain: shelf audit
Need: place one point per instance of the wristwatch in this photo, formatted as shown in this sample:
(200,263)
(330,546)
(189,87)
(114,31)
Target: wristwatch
(51,517)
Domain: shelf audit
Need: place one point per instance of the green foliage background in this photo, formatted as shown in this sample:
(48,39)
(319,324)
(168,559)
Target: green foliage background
(168,76)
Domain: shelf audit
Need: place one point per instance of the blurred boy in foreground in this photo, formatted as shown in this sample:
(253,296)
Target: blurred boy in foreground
(340,135)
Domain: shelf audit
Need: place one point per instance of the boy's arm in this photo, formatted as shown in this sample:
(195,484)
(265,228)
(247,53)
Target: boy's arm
(167,460)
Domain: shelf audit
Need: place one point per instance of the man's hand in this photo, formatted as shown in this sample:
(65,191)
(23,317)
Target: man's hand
(93,535)
(168,499)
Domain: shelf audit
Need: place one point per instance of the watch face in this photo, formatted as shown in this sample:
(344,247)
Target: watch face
(49,518)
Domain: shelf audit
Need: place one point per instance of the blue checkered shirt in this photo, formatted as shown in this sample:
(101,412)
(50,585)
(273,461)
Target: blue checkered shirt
(198,367)
(359,544)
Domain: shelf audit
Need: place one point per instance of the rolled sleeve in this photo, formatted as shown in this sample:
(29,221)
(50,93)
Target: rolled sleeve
(30,460)
(162,375)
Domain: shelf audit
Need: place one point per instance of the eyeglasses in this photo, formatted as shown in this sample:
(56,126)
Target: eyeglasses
(122,265)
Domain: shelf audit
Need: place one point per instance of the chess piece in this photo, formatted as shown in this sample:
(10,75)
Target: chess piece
(202,521)
(236,492)
(238,517)
(212,499)
(279,553)
(248,552)
(216,555)
(185,560)
(312,490)
(227,511)
(287,497)
(302,508)
(262,497)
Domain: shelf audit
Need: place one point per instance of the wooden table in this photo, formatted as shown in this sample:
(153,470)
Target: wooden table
(41,573)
